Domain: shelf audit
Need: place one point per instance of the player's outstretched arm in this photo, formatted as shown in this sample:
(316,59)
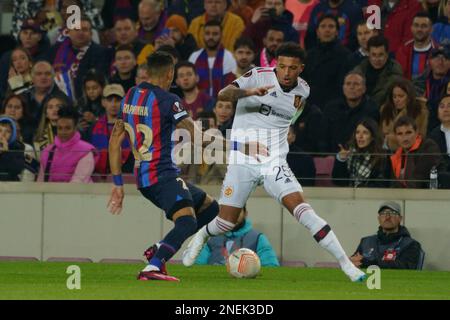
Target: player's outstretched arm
(251,148)
(115,163)
(233,93)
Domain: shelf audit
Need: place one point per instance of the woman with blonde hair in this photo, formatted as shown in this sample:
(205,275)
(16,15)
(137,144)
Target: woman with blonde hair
(401,100)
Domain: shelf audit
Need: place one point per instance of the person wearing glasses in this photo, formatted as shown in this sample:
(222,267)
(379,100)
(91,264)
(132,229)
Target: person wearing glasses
(392,246)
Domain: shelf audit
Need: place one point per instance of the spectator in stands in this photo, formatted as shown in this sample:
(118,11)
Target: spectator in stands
(69,159)
(90,105)
(101,132)
(273,13)
(12,160)
(244,54)
(326,63)
(413,55)
(115,10)
(379,69)
(142,74)
(401,100)
(194,100)
(15,107)
(396,16)
(433,82)
(300,163)
(272,41)
(217,249)
(349,14)
(241,9)
(431,7)
(189,10)
(416,156)
(231,24)
(47,129)
(361,163)
(126,65)
(215,65)
(307,127)
(363,34)
(392,247)
(19,77)
(341,116)
(152,20)
(31,164)
(441,29)
(441,134)
(302,12)
(75,56)
(224,111)
(178,37)
(42,75)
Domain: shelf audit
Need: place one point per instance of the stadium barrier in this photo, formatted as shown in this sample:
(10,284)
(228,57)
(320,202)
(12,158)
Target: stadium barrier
(71,221)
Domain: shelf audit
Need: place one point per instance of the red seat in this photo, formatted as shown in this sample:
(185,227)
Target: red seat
(324,170)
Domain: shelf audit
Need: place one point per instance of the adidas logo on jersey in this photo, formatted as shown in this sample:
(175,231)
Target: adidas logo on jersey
(287,180)
(273,94)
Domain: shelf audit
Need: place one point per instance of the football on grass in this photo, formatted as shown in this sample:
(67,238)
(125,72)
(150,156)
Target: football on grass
(243,263)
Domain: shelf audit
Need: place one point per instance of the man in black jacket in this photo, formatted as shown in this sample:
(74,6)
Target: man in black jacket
(392,247)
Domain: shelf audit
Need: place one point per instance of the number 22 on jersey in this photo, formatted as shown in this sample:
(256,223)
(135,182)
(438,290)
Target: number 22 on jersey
(142,153)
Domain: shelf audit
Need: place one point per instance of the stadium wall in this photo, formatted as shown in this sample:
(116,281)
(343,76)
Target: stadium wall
(68,220)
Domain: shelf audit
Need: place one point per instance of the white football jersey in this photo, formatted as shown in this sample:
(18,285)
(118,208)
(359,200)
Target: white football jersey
(266,119)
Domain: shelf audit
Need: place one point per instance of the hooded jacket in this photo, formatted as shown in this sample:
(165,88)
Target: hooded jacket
(12,162)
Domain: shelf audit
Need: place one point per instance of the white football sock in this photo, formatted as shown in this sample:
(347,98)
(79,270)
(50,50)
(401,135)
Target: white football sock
(216,227)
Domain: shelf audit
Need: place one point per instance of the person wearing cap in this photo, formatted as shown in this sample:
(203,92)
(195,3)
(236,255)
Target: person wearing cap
(101,132)
(176,35)
(12,158)
(392,246)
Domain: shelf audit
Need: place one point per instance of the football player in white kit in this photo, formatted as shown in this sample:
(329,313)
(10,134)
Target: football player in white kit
(268,100)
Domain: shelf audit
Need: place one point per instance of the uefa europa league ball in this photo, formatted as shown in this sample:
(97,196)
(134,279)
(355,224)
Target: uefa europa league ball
(243,263)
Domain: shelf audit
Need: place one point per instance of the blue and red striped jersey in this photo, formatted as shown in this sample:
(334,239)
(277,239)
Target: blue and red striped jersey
(150,115)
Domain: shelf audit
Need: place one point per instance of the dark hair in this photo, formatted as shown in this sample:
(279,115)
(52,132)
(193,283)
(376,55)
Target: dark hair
(184,64)
(213,23)
(170,50)
(94,75)
(378,41)
(69,113)
(405,121)
(208,115)
(124,19)
(291,49)
(376,145)
(244,42)
(125,47)
(159,62)
(275,27)
(423,14)
(328,16)
(26,113)
(413,107)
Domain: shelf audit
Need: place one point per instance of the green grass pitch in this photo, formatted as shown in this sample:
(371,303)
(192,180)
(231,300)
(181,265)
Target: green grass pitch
(44,280)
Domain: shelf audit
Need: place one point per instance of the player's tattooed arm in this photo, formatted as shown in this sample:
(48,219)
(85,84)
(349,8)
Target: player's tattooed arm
(115,149)
(233,93)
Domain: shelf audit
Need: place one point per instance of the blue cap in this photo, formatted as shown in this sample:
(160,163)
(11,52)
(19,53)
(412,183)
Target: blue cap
(14,128)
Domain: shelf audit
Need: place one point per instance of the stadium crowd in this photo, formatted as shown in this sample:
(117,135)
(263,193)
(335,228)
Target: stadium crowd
(378,114)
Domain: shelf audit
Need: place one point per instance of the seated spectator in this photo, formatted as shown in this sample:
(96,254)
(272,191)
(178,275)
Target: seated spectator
(308,127)
(360,164)
(441,29)
(432,83)
(415,157)
(44,86)
(215,65)
(126,65)
(379,69)
(152,20)
(413,55)
(115,10)
(241,9)
(341,115)
(272,40)
(395,16)
(441,135)
(392,247)
(348,13)
(31,168)
(194,100)
(300,163)
(178,37)
(90,105)
(12,159)
(19,78)
(101,132)
(401,100)
(224,111)
(273,12)
(326,63)
(69,159)
(142,74)
(302,12)
(16,108)
(231,24)
(217,249)
(363,34)
(47,129)
(244,54)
